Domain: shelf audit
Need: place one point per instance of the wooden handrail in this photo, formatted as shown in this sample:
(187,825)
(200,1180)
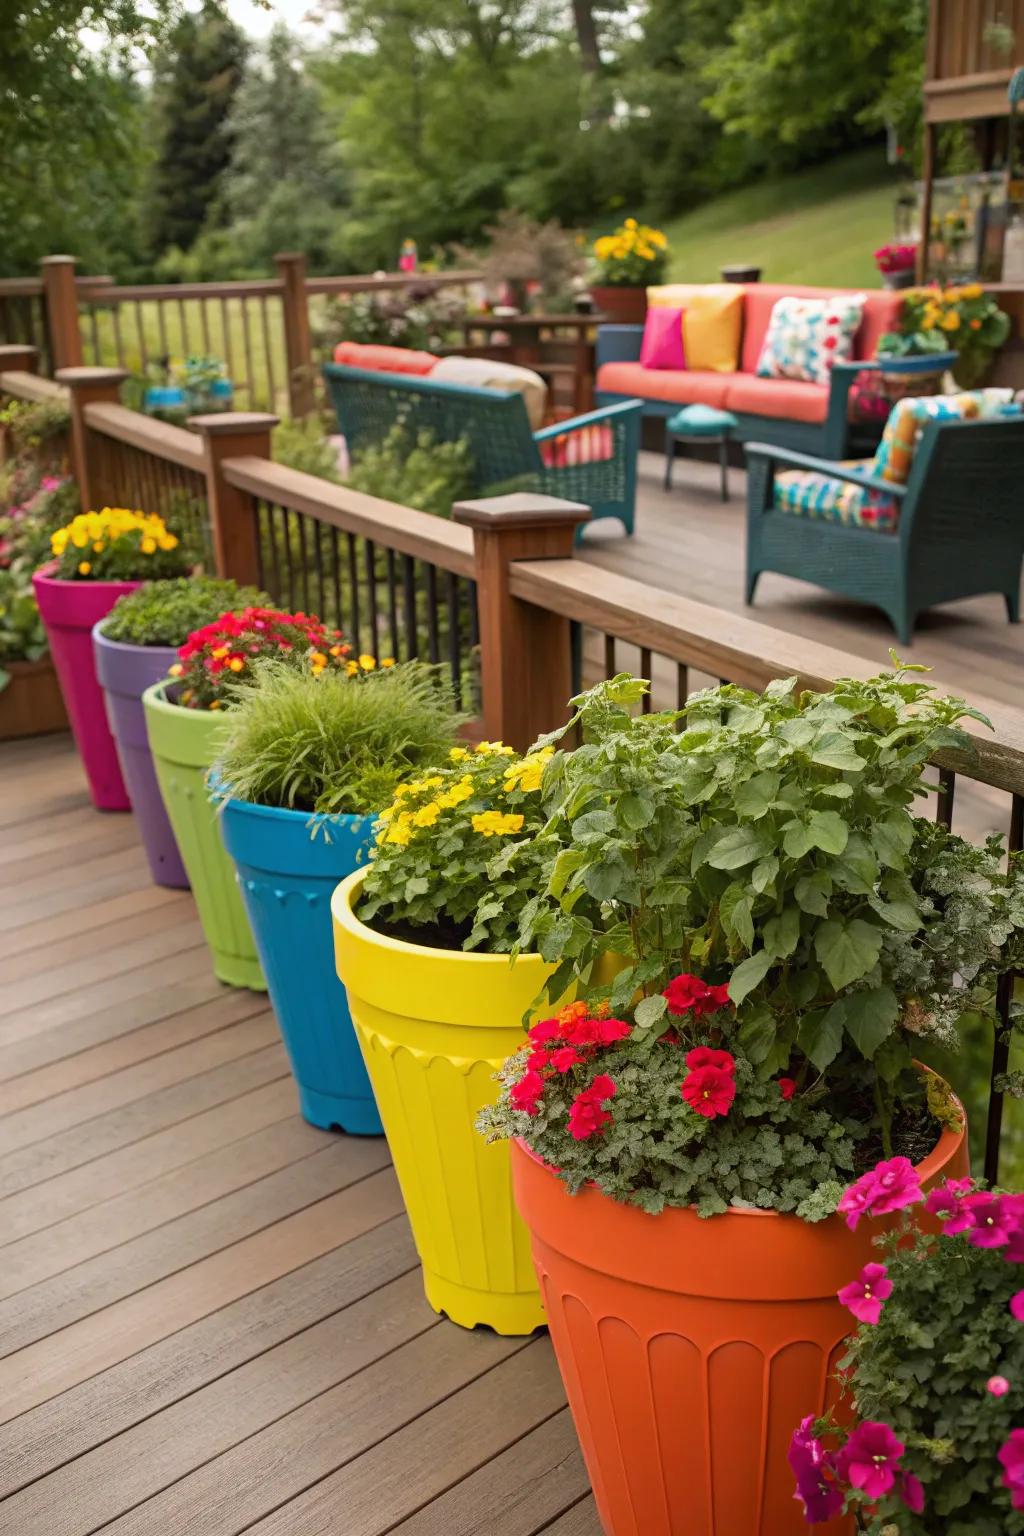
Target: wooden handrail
(386,280)
(243,288)
(418,534)
(30,386)
(163,441)
(742,650)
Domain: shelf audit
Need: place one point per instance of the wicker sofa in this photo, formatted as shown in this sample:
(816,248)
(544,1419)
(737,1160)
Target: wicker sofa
(810,418)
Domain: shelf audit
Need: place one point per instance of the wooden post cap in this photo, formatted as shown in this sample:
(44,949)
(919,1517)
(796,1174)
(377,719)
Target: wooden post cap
(56,261)
(229,423)
(520,509)
(82,377)
(19,357)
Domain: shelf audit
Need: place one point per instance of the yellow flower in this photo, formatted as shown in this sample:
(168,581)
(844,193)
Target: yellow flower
(495,746)
(629,224)
(972,291)
(950,321)
(455,796)
(217,704)
(494,824)
(97,546)
(399,832)
(318,659)
(79,537)
(368,663)
(148,546)
(527,775)
(458,754)
(220,652)
(426,815)
(351,668)
(84,567)
(387,661)
(236,664)
(176,670)
(168,542)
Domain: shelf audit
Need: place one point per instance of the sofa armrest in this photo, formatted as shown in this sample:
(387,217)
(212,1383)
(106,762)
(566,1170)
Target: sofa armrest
(785,458)
(837,421)
(618,344)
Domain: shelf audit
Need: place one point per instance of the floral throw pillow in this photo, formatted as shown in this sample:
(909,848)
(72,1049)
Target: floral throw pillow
(807,337)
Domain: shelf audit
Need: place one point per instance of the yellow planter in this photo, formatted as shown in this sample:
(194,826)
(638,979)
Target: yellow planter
(434,1026)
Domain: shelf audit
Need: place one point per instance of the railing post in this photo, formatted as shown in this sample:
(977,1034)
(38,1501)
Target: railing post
(88,386)
(291,269)
(525,661)
(60,296)
(15,357)
(234,530)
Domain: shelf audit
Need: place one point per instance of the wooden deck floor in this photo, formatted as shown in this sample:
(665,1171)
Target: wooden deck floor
(211,1318)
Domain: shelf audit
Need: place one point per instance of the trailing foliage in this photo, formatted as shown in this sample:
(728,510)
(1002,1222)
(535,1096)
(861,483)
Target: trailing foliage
(334,743)
(415,471)
(167,612)
(458,855)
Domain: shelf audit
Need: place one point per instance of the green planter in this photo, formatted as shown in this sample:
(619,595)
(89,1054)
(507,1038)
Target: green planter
(184,743)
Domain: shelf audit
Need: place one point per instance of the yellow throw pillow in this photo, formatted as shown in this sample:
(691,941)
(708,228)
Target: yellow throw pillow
(712,322)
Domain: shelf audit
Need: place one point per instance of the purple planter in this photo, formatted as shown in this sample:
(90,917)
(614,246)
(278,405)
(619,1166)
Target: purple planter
(125,672)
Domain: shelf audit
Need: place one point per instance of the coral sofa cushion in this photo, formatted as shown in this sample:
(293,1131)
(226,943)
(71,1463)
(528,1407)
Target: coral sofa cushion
(679,388)
(881,313)
(662,344)
(358,354)
(807,337)
(712,322)
(894,457)
(809,493)
(785,399)
(482,373)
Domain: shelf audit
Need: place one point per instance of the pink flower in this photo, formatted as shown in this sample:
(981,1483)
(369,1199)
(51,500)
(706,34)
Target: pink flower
(997,1385)
(587,1115)
(865,1295)
(993,1221)
(889,1186)
(870,1459)
(1017,1306)
(787,1086)
(1012,1457)
(709,1091)
(948,1205)
(688,994)
(810,1462)
(1013,1206)
(705,1056)
(912,1492)
(526,1093)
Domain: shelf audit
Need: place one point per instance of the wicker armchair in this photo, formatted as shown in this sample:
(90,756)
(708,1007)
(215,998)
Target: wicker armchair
(589,459)
(960,530)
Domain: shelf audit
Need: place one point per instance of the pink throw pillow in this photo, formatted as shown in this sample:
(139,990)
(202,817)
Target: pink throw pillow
(662,346)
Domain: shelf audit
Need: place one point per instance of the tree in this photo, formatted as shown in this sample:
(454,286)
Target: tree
(196,78)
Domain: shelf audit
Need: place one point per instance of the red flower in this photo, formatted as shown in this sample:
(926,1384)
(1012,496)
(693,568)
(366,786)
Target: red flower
(688,994)
(537,1060)
(709,1091)
(787,1087)
(541,1033)
(706,1056)
(526,1093)
(598,1031)
(586,1113)
(566,1057)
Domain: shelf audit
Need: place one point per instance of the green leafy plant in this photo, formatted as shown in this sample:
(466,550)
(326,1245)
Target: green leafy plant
(935,1372)
(335,743)
(415,470)
(635,255)
(458,853)
(37,427)
(167,612)
(303,444)
(963,319)
(27,528)
(772,901)
(22,637)
(116,544)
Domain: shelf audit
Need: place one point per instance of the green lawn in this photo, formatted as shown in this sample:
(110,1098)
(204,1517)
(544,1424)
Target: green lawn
(815,226)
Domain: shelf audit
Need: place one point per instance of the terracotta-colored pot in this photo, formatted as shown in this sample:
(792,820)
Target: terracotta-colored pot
(69,609)
(31,704)
(619,305)
(692,1348)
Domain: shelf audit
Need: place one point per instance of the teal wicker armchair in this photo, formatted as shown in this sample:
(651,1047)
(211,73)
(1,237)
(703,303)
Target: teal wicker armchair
(589,459)
(960,532)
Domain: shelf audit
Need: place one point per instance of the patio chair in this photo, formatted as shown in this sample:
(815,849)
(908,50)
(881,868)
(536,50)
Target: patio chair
(953,530)
(590,459)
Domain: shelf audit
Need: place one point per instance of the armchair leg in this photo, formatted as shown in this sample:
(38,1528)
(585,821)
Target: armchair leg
(752,579)
(1013,606)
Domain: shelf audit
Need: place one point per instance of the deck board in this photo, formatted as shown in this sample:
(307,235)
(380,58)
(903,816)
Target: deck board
(211,1314)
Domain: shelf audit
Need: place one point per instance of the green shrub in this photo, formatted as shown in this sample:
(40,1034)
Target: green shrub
(22,637)
(303,445)
(334,743)
(415,471)
(167,612)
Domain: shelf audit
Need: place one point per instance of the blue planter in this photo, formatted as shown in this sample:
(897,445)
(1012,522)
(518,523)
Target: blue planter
(287,878)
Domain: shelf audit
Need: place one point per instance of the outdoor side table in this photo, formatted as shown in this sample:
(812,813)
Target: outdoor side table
(700,424)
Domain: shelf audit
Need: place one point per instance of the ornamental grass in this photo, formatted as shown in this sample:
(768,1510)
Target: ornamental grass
(334,742)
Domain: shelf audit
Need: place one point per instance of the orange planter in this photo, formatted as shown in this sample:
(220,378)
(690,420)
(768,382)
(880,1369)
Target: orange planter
(691,1349)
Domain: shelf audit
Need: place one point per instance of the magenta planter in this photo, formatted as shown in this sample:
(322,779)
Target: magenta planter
(69,609)
(125,672)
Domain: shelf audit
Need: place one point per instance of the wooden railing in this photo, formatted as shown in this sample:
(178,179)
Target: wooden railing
(497,595)
(260,328)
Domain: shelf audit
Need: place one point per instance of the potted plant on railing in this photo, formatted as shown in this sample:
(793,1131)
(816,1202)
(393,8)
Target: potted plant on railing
(627,263)
(98,557)
(959,328)
(790,932)
(424,939)
(897,264)
(135,645)
(935,1375)
(184,725)
(309,760)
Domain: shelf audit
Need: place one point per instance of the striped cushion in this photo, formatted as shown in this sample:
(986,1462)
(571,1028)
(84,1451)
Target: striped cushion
(808,493)
(895,454)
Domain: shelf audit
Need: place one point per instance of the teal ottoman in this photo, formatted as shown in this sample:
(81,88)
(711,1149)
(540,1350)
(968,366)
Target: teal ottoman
(700,424)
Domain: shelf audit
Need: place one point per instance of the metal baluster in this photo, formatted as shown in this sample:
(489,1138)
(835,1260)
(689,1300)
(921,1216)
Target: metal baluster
(645,671)
(944,798)
(412,643)
(474,616)
(353,581)
(393,603)
(682,684)
(609,656)
(454,645)
(1001,1042)
(304,558)
(371,594)
(432,642)
(339,607)
(288,593)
